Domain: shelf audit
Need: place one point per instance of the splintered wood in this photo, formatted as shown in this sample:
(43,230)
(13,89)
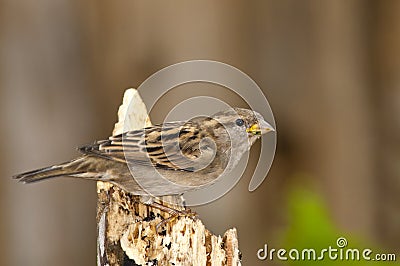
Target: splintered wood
(127,233)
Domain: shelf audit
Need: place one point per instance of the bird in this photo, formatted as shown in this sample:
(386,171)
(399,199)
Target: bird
(171,158)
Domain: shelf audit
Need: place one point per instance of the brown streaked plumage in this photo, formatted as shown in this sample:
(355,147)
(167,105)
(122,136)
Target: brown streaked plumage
(186,154)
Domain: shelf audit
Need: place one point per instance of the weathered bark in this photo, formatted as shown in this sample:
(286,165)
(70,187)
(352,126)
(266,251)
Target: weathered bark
(127,233)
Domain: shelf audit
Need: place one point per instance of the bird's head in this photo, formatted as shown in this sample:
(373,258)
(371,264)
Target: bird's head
(234,131)
(244,122)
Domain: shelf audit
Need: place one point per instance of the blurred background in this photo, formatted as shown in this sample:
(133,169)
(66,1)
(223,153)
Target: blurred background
(331,73)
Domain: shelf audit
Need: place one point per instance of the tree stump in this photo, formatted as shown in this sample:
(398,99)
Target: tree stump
(127,233)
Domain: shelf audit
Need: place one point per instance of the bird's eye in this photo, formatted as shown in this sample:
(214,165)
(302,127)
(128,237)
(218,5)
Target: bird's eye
(239,122)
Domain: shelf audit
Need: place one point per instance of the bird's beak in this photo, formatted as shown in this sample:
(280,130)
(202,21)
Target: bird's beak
(262,127)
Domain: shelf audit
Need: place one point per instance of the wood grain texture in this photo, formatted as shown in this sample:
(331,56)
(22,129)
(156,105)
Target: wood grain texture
(127,228)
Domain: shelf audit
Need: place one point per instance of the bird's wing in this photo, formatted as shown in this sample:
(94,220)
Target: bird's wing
(157,145)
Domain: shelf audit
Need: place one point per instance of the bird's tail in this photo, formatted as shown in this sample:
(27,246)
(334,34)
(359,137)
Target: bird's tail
(64,169)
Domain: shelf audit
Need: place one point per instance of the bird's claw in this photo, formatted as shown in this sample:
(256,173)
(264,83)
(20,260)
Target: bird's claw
(175,214)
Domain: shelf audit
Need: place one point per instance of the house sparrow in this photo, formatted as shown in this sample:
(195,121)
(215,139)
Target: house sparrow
(166,159)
